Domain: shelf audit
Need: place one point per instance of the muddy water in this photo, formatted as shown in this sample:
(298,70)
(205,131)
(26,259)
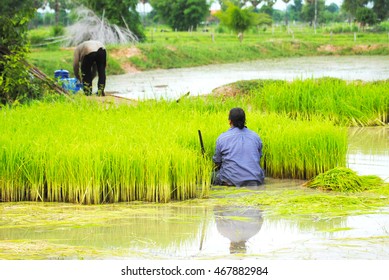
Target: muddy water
(173,83)
(207,232)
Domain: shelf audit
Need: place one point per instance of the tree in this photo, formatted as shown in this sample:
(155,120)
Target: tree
(16,83)
(255,3)
(332,8)
(332,14)
(365,16)
(351,6)
(308,12)
(240,20)
(266,10)
(181,15)
(381,8)
(224,3)
(295,10)
(122,13)
(59,7)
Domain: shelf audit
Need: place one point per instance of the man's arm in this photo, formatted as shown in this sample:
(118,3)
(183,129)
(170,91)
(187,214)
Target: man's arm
(217,158)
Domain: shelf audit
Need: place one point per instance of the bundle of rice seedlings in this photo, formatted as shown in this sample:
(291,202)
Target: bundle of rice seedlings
(343,179)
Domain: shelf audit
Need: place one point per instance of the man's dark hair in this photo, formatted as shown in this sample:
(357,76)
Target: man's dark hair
(237,117)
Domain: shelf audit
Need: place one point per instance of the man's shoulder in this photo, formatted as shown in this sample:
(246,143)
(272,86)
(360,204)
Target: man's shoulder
(251,131)
(224,135)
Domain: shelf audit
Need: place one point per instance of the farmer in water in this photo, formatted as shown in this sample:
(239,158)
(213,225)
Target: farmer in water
(238,154)
(93,58)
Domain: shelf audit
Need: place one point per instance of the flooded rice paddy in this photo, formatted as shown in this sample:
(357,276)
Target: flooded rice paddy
(202,229)
(206,229)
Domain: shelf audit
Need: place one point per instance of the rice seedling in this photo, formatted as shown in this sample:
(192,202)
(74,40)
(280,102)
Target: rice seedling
(344,103)
(343,179)
(88,153)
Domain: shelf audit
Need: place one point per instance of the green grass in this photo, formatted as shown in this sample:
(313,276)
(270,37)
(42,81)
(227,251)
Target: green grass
(54,58)
(186,49)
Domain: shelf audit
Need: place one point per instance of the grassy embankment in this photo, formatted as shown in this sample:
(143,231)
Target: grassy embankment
(185,49)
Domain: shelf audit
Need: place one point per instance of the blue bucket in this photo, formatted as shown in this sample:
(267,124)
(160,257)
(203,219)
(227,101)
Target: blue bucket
(71,84)
(61,74)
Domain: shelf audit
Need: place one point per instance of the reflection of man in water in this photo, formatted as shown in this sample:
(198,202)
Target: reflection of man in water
(238,224)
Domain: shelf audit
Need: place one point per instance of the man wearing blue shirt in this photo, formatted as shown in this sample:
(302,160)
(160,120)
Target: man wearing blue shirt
(238,154)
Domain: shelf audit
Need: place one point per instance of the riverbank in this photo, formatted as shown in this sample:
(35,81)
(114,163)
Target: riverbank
(169,50)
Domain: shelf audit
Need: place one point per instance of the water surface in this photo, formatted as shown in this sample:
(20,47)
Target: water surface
(172,83)
(368,151)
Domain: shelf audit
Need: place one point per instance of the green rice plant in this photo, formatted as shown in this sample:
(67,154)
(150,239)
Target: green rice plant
(344,103)
(85,152)
(300,149)
(343,179)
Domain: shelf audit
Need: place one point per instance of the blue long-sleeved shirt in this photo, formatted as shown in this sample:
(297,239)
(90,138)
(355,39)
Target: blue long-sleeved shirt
(239,152)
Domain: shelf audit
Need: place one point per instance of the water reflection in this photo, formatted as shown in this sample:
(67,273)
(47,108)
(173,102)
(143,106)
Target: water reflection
(368,151)
(238,224)
(190,232)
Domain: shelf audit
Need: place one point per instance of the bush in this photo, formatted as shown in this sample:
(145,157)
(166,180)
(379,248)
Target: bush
(17,85)
(57,30)
(342,28)
(383,26)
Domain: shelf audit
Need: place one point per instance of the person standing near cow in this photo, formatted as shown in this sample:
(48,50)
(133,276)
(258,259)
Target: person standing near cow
(91,57)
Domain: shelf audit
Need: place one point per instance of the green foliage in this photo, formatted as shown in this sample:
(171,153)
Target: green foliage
(57,30)
(351,6)
(366,16)
(383,26)
(308,12)
(240,20)
(381,8)
(342,28)
(39,35)
(181,15)
(16,83)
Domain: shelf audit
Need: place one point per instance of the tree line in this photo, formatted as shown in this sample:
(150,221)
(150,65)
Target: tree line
(184,15)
